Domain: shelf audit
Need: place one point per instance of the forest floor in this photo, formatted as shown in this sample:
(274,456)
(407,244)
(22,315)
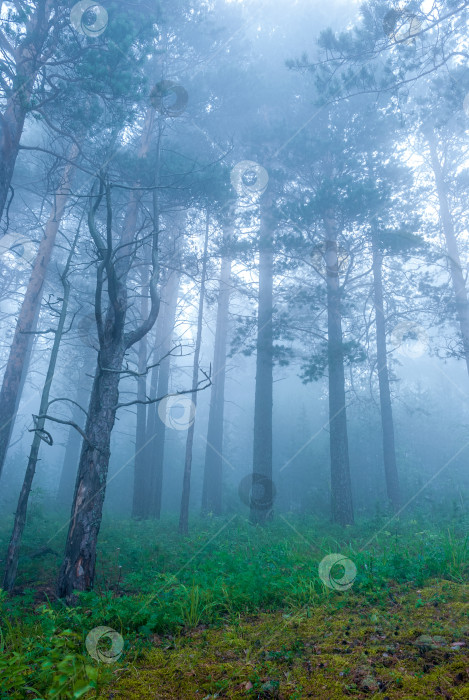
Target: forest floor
(240,612)
(412,646)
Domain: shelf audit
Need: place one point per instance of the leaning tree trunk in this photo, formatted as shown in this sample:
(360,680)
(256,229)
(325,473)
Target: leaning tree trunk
(68,474)
(140,477)
(186,483)
(11,565)
(17,364)
(78,568)
(341,489)
(387,421)
(457,277)
(262,486)
(28,63)
(212,485)
(156,428)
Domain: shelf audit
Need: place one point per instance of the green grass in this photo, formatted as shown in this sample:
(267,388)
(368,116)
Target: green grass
(151,583)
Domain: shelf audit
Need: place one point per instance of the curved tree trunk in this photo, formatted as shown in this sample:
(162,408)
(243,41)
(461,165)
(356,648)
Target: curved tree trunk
(262,502)
(387,421)
(341,489)
(212,485)
(78,568)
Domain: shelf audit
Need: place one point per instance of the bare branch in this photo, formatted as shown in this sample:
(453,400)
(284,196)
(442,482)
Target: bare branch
(207,379)
(44,416)
(132,373)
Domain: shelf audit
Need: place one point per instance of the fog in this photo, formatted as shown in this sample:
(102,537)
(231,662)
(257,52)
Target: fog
(234,261)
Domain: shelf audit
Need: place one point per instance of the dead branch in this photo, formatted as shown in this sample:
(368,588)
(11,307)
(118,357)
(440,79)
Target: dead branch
(207,379)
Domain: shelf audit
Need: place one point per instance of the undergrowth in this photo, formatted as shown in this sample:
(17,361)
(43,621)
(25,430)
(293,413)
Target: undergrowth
(152,582)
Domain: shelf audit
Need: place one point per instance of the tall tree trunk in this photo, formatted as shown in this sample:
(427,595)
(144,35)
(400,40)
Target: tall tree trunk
(11,565)
(68,474)
(27,64)
(262,486)
(156,427)
(457,277)
(17,364)
(152,413)
(387,421)
(186,483)
(212,485)
(140,476)
(341,489)
(78,568)
(155,434)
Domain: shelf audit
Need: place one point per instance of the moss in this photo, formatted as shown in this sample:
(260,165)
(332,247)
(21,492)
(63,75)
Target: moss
(338,650)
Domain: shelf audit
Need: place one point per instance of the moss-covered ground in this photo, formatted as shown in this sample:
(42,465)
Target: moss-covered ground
(240,612)
(410,644)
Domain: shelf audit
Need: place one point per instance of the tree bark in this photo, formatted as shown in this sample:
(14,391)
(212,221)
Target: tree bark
(387,420)
(341,489)
(262,487)
(78,568)
(212,485)
(186,484)
(457,277)
(17,364)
